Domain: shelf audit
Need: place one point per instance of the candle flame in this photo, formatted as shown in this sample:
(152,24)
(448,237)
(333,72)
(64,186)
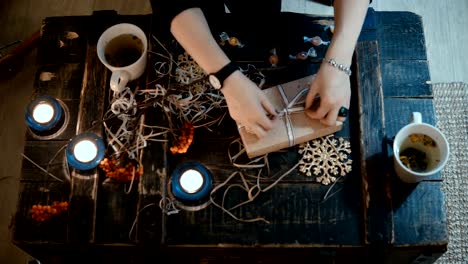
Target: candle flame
(85,151)
(191,181)
(43,113)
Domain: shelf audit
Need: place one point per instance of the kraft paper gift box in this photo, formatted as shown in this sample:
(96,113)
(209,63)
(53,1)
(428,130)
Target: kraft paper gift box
(292,126)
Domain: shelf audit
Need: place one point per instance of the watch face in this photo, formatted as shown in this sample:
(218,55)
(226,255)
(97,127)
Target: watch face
(214,82)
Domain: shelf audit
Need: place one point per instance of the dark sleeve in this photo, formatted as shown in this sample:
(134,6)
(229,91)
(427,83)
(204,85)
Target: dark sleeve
(165,10)
(329,2)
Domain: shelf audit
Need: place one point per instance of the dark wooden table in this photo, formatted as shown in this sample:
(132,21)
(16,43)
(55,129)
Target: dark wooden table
(373,217)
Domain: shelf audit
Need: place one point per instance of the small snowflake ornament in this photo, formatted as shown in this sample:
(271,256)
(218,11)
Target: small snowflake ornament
(326,158)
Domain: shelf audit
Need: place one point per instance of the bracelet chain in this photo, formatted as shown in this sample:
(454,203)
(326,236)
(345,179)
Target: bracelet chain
(339,66)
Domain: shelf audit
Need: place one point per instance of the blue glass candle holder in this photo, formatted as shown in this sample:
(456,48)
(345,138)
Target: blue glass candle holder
(85,151)
(191,181)
(43,113)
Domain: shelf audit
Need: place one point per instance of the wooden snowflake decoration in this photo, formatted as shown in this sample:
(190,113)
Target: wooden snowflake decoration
(326,158)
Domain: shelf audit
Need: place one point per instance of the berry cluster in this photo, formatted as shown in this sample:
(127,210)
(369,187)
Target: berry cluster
(185,139)
(41,213)
(118,173)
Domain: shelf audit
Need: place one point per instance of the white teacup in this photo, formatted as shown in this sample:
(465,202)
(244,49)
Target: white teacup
(419,138)
(122,48)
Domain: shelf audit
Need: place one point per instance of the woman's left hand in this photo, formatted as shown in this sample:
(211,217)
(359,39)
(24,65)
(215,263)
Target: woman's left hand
(333,87)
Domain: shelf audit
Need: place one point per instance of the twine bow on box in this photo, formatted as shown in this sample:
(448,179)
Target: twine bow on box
(296,105)
(296,127)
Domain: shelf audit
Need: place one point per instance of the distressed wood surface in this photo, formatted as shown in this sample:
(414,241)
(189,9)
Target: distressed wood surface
(418,212)
(296,219)
(406,78)
(212,226)
(84,185)
(365,211)
(48,155)
(424,205)
(401,36)
(402,46)
(377,207)
(296,207)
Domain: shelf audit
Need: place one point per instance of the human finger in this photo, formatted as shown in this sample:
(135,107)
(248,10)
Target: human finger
(264,122)
(331,118)
(319,113)
(257,130)
(269,108)
(312,98)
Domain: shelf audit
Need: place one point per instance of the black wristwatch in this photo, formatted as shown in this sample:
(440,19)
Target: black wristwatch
(217,79)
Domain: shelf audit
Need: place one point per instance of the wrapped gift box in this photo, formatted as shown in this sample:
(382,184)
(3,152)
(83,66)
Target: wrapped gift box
(292,126)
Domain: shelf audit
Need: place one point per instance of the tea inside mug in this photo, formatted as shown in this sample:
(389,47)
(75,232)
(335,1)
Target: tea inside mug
(419,153)
(123,50)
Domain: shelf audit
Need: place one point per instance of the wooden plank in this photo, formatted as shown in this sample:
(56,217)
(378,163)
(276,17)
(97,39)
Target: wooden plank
(124,7)
(377,207)
(211,150)
(297,214)
(63,40)
(419,214)
(442,24)
(401,36)
(118,205)
(152,187)
(398,113)
(369,28)
(370,21)
(19,20)
(150,226)
(116,211)
(59,80)
(406,78)
(83,201)
(416,254)
(44,153)
(27,229)
(270,254)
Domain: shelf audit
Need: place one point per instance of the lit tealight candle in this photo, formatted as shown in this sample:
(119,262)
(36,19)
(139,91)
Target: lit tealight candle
(85,151)
(191,181)
(43,113)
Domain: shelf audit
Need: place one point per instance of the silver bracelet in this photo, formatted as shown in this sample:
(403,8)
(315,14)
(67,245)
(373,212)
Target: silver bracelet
(340,67)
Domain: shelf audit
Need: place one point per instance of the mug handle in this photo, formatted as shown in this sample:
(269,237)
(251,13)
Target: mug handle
(417,118)
(119,80)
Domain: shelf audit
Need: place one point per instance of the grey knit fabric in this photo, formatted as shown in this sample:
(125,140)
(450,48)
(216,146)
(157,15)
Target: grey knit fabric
(451,106)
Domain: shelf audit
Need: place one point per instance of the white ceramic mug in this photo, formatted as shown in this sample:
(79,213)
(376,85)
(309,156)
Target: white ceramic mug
(437,153)
(122,48)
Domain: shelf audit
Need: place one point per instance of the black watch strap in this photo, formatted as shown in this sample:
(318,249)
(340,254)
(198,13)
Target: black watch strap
(225,72)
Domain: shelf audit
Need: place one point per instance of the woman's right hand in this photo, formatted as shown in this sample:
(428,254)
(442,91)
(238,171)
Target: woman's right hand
(248,105)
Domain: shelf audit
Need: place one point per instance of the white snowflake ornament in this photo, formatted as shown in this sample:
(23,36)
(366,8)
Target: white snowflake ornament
(326,158)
